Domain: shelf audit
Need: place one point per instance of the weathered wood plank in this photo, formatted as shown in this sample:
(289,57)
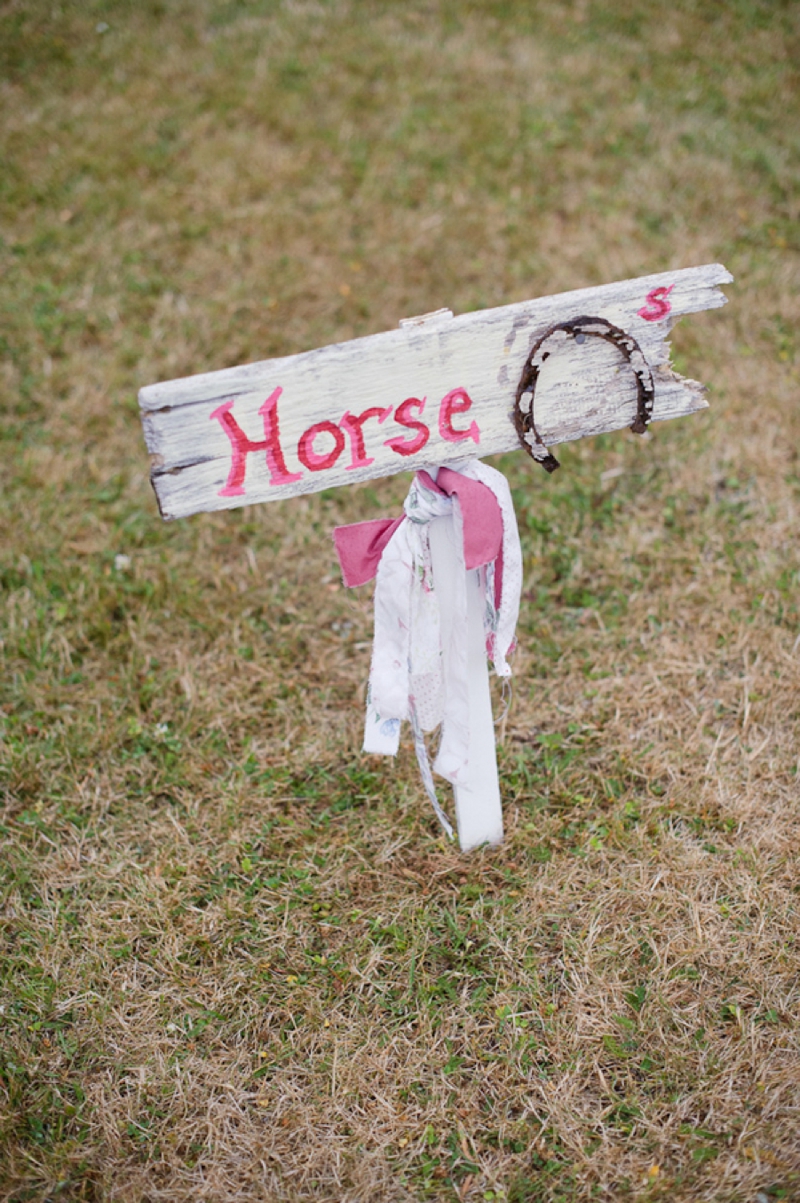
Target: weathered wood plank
(432,392)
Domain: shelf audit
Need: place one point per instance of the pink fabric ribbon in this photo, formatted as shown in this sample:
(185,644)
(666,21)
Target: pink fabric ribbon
(360,545)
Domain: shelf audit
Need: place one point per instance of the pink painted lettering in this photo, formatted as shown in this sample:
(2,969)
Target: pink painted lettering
(311,458)
(402,415)
(241,445)
(657,304)
(350,429)
(457,401)
(354,425)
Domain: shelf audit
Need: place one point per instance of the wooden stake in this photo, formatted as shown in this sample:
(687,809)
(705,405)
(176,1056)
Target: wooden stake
(479,813)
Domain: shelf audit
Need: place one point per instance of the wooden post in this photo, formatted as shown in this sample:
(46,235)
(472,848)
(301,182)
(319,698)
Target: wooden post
(479,813)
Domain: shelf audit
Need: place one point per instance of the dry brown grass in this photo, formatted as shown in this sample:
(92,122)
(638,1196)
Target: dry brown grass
(238,961)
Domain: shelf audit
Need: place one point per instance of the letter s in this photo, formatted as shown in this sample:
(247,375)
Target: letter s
(402,415)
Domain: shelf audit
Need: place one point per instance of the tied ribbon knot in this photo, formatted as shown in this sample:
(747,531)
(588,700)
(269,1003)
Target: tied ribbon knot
(419,655)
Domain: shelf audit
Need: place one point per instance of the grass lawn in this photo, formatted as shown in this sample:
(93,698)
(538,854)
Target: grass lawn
(239,960)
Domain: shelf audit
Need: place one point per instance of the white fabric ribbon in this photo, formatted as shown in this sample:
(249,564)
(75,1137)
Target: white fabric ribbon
(419,656)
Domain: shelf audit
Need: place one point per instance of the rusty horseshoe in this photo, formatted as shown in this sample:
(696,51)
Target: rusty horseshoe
(577,328)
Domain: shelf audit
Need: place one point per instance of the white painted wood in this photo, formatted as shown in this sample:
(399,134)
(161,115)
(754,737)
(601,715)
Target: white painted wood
(479,812)
(586,392)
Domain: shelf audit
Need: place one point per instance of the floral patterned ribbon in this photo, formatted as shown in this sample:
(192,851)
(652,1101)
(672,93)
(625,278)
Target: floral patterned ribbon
(408,680)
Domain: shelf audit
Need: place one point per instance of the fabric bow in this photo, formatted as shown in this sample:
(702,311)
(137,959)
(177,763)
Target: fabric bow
(410,678)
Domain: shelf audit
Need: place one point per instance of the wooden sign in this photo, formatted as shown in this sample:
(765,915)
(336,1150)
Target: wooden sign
(439,391)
